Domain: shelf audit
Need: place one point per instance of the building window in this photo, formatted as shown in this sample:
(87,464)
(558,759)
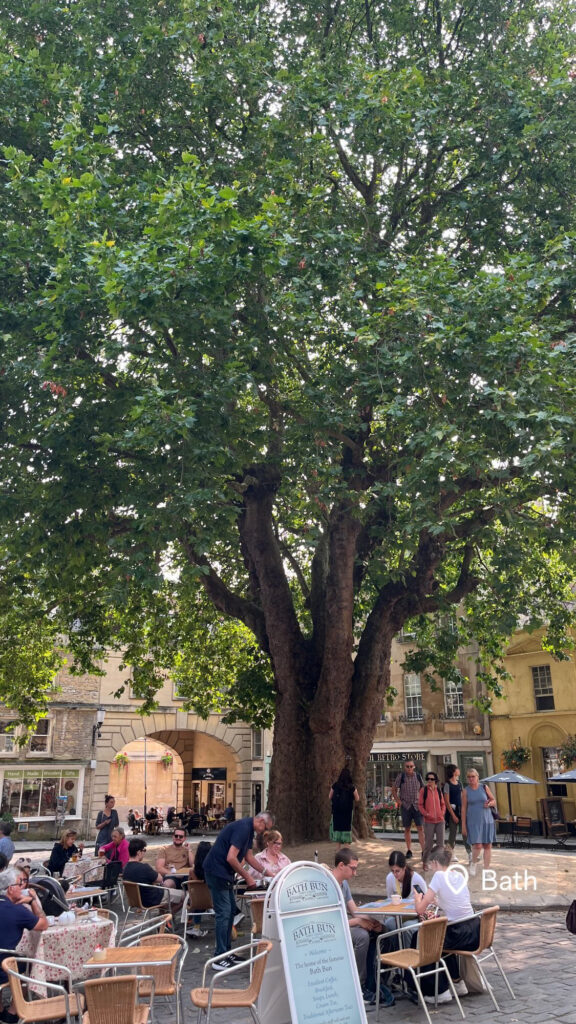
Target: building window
(27,793)
(453,699)
(543,692)
(413,697)
(41,737)
(257,744)
(405,636)
(551,761)
(7,743)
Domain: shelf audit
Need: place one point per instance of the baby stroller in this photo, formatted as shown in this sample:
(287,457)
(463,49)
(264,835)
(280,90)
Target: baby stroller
(50,893)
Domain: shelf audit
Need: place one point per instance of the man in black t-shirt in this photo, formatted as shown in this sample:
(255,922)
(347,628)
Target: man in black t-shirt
(137,871)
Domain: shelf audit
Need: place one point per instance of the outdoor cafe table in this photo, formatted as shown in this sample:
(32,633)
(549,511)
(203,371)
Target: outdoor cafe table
(69,945)
(381,909)
(134,956)
(91,868)
(86,893)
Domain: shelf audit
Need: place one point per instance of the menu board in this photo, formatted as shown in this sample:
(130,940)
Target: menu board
(311,977)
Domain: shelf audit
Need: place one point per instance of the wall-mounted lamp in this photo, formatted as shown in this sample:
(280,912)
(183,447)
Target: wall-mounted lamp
(97,727)
(477,729)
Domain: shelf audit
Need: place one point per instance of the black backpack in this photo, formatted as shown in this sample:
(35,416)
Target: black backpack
(418,776)
(202,851)
(571,918)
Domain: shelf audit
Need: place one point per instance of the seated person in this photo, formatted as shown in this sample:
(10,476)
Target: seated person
(177,857)
(19,910)
(272,860)
(138,871)
(117,850)
(151,826)
(63,850)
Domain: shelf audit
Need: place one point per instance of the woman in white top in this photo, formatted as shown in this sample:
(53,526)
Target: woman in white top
(449,890)
(401,879)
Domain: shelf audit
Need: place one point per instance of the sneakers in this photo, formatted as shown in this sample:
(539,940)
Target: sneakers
(408,854)
(222,965)
(238,917)
(196,933)
(460,988)
(443,997)
(235,960)
(472,868)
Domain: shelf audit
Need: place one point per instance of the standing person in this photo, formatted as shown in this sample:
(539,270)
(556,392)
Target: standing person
(477,821)
(405,791)
(432,808)
(343,795)
(106,821)
(230,813)
(231,848)
(63,851)
(6,845)
(453,801)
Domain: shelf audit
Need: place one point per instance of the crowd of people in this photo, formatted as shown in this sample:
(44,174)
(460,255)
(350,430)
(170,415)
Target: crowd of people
(234,857)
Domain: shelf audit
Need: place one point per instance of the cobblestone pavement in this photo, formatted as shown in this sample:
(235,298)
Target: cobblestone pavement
(536,951)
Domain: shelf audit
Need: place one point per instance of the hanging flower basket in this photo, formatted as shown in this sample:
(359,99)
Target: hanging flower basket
(567,752)
(121,760)
(166,760)
(516,756)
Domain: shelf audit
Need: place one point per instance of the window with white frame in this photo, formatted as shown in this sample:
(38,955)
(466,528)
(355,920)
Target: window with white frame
(543,692)
(453,699)
(257,744)
(7,742)
(413,697)
(41,738)
(33,792)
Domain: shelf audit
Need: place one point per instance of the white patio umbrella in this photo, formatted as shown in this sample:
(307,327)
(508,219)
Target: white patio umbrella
(569,776)
(511,778)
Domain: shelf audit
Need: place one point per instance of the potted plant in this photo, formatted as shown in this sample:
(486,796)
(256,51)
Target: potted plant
(567,752)
(166,760)
(516,756)
(121,760)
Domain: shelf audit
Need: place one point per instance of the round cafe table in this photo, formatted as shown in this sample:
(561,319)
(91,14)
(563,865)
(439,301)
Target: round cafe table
(70,945)
(90,868)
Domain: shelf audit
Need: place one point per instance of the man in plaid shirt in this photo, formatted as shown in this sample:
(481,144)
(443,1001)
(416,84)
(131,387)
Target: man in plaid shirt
(405,791)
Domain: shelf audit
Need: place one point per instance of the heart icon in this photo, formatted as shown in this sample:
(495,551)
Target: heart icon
(457,878)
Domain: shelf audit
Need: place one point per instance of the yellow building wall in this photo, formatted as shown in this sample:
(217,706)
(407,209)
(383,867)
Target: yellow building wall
(515,717)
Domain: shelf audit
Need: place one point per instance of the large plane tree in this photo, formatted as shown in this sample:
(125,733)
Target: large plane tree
(288,357)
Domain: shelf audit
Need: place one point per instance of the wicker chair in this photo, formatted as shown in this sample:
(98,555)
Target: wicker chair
(114,1001)
(209,997)
(134,932)
(198,902)
(63,1006)
(486,950)
(421,962)
(167,978)
(133,893)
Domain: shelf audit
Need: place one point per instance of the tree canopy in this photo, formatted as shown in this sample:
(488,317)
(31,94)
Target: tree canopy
(288,349)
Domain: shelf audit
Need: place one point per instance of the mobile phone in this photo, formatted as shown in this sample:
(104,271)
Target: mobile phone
(418,889)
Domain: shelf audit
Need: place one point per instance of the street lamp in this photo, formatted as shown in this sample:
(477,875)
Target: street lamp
(145,740)
(97,727)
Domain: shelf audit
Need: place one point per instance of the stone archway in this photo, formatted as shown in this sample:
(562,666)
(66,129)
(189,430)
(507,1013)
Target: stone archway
(198,743)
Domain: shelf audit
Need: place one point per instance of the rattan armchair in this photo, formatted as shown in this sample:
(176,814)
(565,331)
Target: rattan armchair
(133,893)
(115,1001)
(486,950)
(63,1006)
(210,998)
(421,962)
(133,932)
(197,902)
(167,977)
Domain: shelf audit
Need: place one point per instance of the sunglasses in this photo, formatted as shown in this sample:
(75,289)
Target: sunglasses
(430,778)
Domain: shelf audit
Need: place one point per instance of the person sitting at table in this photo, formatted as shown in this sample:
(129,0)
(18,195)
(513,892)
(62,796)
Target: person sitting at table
(63,850)
(151,826)
(362,929)
(20,910)
(271,859)
(144,874)
(117,850)
(453,897)
(401,879)
(177,857)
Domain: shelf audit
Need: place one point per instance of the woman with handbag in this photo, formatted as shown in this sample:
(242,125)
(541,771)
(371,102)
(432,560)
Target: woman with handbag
(478,820)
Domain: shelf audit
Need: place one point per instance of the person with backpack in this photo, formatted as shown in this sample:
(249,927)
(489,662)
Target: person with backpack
(432,808)
(405,791)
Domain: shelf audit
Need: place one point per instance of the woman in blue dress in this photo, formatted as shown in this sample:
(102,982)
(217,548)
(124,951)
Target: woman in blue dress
(477,821)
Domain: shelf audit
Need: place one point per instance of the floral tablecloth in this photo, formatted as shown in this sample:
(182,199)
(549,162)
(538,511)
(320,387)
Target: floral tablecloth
(69,945)
(91,868)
